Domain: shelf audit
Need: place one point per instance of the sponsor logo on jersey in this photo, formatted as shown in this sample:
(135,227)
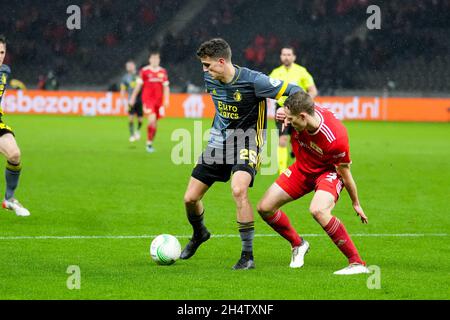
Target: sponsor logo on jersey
(227,110)
(237,96)
(316,147)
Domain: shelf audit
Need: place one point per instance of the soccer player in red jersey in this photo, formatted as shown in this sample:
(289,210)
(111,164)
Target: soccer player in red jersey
(154,81)
(321,148)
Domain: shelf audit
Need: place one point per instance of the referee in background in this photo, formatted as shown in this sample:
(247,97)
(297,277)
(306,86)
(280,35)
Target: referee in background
(290,72)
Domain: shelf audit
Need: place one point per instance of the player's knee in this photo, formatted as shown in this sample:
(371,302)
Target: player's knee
(190,199)
(318,212)
(14,156)
(239,192)
(264,208)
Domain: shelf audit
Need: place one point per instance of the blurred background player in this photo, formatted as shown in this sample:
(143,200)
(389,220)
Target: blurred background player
(127,86)
(291,72)
(154,81)
(237,137)
(8,145)
(322,152)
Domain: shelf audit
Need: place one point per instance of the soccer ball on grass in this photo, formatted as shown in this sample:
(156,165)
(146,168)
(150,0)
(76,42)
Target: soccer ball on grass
(165,249)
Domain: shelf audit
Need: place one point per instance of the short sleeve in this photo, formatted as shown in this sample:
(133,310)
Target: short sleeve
(267,87)
(307,80)
(166,78)
(341,153)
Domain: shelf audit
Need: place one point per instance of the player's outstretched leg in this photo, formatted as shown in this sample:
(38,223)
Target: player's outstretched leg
(9,148)
(200,235)
(195,213)
(274,198)
(321,206)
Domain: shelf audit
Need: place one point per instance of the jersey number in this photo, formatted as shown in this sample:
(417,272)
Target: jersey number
(250,155)
(331,176)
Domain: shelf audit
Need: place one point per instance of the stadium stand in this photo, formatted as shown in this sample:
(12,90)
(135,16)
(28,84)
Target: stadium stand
(408,54)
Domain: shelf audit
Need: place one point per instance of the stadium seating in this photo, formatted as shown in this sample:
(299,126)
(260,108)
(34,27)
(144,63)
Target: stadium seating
(409,53)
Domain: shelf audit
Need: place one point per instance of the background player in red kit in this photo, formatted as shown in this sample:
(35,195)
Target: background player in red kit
(154,82)
(321,148)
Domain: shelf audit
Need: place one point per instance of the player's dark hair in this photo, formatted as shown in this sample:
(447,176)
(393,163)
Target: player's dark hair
(215,48)
(300,102)
(2,39)
(288,47)
(154,52)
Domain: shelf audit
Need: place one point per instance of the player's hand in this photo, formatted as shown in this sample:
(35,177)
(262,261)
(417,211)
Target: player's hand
(360,213)
(280,115)
(132,101)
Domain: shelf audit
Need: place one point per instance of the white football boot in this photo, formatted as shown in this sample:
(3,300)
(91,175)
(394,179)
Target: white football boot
(137,135)
(354,268)
(132,139)
(298,255)
(13,204)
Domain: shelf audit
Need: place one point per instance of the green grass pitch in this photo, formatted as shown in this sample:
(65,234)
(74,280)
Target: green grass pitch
(81,177)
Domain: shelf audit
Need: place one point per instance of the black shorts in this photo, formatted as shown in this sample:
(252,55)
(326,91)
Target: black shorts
(136,109)
(287,130)
(209,171)
(4,129)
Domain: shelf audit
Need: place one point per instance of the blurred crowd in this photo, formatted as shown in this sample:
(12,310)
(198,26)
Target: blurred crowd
(327,35)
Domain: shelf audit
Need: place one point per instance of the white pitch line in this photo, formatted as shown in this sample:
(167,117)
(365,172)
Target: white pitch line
(147,236)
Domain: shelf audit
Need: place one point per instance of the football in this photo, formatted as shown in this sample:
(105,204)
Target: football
(165,249)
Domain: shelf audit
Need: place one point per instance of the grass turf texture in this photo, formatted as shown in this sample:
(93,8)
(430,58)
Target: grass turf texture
(81,176)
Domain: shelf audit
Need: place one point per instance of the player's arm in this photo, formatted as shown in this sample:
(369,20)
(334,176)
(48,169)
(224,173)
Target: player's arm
(344,171)
(266,87)
(312,91)
(123,91)
(307,82)
(273,88)
(166,94)
(136,91)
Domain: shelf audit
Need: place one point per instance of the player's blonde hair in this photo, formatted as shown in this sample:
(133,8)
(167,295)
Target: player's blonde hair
(300,102)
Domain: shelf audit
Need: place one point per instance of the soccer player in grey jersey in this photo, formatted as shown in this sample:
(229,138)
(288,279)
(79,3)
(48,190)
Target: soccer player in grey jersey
(237,136)
(127,85)
(8,145)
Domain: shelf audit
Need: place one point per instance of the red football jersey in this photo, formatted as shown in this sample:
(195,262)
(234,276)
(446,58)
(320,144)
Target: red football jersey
(324,149)
(153,83)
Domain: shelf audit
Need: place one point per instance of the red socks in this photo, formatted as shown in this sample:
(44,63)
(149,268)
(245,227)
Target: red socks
(337,232)
(151,131)
(281,224)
